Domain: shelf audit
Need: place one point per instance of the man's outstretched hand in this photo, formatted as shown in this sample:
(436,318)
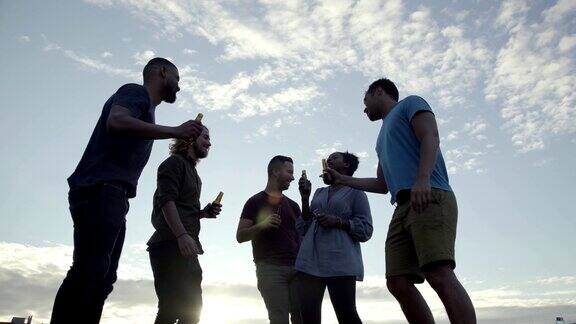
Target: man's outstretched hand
(189,130)
(331,177)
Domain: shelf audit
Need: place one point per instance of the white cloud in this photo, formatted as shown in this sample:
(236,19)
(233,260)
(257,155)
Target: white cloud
(100,3)
(24,39)
(567,43)
(30,276)
(328,149)
(452,136)
(532,79)
(474,127)
(363,155)
(304,40)
(106,54)
(141,58)
(463,159)
(565,280)
(90,63)
(188,51)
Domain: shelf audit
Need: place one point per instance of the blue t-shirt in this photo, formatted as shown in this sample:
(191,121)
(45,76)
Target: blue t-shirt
(110,157)
(398,149)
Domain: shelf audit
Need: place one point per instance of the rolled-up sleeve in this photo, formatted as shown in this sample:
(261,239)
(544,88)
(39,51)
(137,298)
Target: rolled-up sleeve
(361,222)
(170,174)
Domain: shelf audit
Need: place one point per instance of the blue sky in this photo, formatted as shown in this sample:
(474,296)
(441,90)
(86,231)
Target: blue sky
(288,77)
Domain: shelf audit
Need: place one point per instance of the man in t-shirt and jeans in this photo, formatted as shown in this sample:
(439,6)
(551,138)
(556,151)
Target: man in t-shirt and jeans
(422,232)
(269,221)
(105,179)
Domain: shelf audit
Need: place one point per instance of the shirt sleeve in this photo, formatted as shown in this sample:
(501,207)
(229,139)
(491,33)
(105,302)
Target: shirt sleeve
(415,105)
(361,222)
(170,174)
(249,210)
(133,97)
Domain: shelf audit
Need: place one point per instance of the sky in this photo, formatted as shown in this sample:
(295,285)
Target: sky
(288,77)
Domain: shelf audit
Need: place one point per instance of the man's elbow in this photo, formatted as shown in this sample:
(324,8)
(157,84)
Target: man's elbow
(240,238)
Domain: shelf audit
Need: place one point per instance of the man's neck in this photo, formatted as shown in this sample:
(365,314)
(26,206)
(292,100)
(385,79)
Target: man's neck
(273,189)
(388,106)
(155,97)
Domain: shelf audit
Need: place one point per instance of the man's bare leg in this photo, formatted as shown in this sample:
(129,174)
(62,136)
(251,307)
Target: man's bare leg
(413,304)
(452,294)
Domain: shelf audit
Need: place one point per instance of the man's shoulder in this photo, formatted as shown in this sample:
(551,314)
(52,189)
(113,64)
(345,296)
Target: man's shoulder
(133,89)
(414,100)
(256,198)
(292,203)
(172,161)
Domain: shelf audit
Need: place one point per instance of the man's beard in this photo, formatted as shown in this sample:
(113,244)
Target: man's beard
(200,153)
(170,97)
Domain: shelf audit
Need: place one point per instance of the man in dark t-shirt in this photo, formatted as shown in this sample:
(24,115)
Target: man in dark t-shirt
(269,221)
(104,180)
(175,245)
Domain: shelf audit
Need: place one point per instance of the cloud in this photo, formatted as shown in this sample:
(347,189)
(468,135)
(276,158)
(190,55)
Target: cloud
(304,40)
(24,39)
(566,280)
(328,149)
(31,275)
(238,99)
(106,54)
(90,63)
(532,78)
(188,51)
(141,58)
(463,159)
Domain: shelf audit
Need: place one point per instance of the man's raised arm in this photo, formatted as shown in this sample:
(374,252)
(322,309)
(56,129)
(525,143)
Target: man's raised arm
(376,185)
(121,121)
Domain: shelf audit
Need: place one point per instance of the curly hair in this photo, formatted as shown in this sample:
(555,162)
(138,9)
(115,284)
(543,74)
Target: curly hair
(352,161)
(179,146)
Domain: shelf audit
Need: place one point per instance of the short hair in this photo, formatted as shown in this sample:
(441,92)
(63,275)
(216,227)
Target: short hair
(277,162)
(352,161)
(388,86)
(155,63)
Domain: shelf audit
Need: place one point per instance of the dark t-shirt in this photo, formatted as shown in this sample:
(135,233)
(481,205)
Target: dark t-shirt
(277,246)
(178,181)
(122,158)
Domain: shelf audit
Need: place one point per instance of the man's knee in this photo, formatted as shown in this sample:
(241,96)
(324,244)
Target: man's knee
(399,285)
(439,275)
(96,271)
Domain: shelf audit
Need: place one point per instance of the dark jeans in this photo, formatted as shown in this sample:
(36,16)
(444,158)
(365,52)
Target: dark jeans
(342,292)
(177,281)
(99,216)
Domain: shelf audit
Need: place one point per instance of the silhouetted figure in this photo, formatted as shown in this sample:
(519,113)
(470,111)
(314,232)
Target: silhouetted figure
(333,226)
(422,232)
(174,247)
(105,179)
(269,221)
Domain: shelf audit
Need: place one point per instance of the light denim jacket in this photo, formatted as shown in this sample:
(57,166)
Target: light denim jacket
(330,252)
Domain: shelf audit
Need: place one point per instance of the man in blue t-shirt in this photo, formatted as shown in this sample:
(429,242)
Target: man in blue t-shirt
(422,232)
(104,180)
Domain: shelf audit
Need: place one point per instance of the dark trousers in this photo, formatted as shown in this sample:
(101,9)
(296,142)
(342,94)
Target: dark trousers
(177,281)
(99,216)
(342,292)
